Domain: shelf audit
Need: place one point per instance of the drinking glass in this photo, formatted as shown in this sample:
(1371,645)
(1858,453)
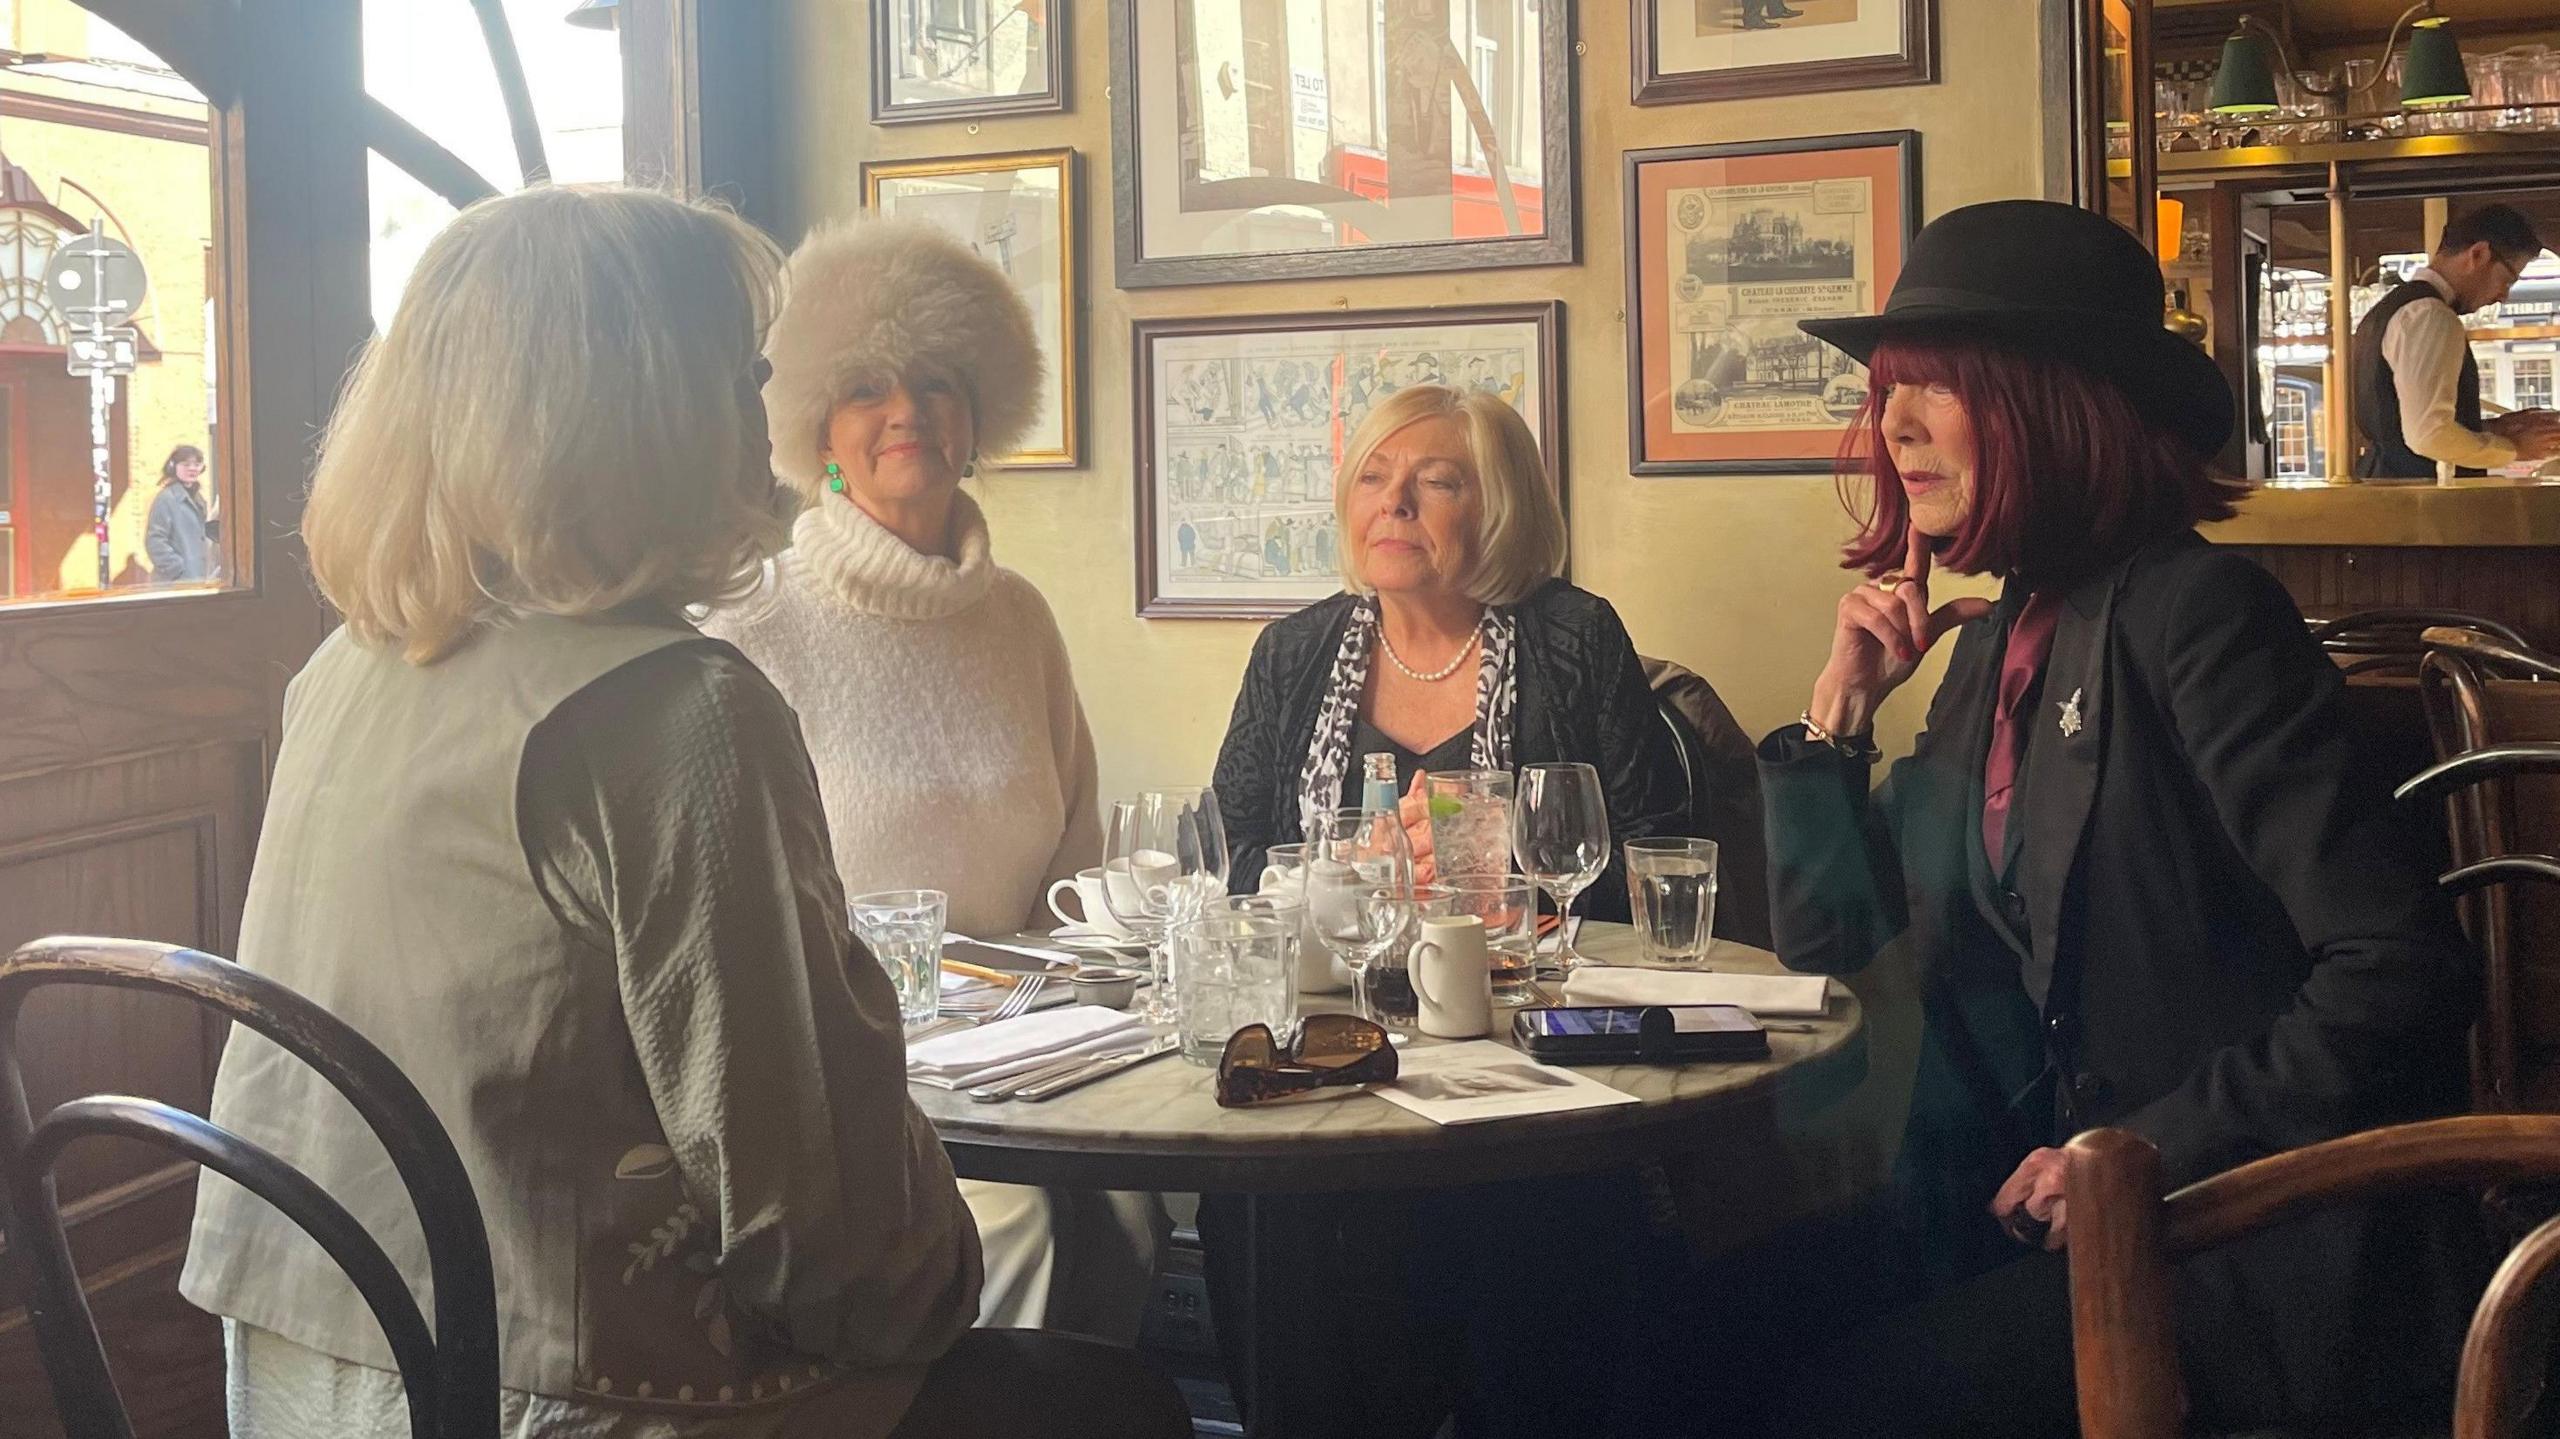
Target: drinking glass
(1173,847)
(1509,908)
(1365,925)
(1235,963)
(1560,837)
(903,930)
(1470,820)
(1671,884)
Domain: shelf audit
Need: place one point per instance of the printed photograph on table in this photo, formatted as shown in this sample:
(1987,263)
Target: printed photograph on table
(1241,421)
(1690,50)
(963,59)
(1020,212)
(1728,247)
(1269,139)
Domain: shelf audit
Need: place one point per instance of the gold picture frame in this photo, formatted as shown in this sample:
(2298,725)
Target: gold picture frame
(1022,210)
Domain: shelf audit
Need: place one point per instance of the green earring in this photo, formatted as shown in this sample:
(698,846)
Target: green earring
(835,477)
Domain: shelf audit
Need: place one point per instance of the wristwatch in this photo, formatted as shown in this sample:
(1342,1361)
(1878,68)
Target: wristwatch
(1853,747)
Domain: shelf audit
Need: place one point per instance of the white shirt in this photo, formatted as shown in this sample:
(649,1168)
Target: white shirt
(2425,345)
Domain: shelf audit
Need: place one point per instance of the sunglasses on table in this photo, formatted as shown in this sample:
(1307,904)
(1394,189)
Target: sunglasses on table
(1331,1050)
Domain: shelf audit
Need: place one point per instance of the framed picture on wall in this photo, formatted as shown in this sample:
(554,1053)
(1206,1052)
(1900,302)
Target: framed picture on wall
(1242,420)
(1688,50)
(1255,139)
(1728,246)
(966,59)
(1020,212)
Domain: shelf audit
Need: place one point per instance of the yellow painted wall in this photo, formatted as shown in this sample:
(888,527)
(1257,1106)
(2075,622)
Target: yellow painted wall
(1734,576)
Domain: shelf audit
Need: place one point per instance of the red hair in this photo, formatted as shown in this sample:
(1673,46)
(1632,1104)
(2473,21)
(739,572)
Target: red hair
(2068,476)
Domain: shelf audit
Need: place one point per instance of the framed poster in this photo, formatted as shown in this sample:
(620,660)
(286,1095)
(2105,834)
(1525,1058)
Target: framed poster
(1272,139)
(1241,422)
(1728,246)
(1020,212)
(1689,50)
(966,59)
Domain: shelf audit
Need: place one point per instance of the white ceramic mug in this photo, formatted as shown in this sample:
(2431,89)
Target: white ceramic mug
(1087,888)
(1285,873)
(1453,977)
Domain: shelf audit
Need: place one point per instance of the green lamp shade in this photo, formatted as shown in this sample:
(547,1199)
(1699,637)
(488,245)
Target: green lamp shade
(2244,85)
(2433,74)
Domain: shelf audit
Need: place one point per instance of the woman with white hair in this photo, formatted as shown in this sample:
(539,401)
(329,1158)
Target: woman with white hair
(932,683)
(564,860)
(1450,543)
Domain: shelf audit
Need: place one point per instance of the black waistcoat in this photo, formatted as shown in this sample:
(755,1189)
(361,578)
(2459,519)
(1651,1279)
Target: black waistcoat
(2378,392)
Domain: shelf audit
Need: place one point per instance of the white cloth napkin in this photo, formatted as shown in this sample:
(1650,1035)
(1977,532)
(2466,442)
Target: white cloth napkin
(970,1057)
(1762,994)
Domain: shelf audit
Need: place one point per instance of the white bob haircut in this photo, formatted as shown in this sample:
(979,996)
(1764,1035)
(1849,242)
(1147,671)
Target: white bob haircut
(561,419)
(1519,540)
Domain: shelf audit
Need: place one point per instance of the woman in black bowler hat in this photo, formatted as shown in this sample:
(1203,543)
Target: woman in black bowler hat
(2143,876)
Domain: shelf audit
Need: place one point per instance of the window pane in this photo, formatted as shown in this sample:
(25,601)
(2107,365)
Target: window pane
(429,63)
(114,481)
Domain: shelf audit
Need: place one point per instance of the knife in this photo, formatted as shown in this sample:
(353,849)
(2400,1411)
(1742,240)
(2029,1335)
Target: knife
(1076,1078)
(1011,1084)
(1053,956)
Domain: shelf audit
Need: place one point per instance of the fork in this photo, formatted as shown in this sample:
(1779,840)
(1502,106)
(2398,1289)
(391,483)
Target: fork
(1020,1000)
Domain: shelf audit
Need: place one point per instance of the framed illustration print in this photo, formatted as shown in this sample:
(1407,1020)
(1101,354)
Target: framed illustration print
(1020,212)
(1242,420)
(1689,50)
(1728,246)
(966,59)
(1269,139)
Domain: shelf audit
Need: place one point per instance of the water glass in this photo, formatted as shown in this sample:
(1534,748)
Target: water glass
(1235,964)
(1470,820)
(1173,845)
(1364,925)
(1508,906)
(1369,840)
(1671,883)
(903,930)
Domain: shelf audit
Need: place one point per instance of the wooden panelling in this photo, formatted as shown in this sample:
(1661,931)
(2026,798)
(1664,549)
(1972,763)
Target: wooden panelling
(166,1353)
(2520,586)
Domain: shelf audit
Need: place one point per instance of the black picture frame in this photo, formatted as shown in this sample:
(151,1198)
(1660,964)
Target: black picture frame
(1049,101)
(1557,243)
(1913,61)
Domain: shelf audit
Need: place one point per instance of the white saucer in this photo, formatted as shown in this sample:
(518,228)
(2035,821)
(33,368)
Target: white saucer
(1070,936)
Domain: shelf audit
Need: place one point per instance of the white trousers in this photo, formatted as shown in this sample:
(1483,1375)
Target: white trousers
(1078,1261)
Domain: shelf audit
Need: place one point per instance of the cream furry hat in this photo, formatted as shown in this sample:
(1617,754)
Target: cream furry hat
(871,295)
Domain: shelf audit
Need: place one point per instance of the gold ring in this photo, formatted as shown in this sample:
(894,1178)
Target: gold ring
(1891,580)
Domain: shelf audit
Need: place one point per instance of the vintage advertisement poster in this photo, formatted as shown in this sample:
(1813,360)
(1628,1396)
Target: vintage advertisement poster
(1246,426)
(1733,246)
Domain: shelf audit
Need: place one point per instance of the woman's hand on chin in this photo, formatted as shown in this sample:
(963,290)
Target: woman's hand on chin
(1883,628)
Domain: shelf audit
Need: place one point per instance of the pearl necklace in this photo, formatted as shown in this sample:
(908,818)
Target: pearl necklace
(1410,672)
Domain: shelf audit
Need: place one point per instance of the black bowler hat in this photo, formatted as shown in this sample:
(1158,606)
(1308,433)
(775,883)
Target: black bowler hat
(2057,280)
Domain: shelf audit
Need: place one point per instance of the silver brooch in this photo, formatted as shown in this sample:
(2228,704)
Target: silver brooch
(2071,715)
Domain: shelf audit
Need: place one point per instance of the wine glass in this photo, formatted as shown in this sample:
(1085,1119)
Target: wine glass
(1366,839)
(1165,856)
(1360,924)
(1560,838)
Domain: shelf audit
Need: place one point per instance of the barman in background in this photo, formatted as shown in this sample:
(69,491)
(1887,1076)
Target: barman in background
(2417,386)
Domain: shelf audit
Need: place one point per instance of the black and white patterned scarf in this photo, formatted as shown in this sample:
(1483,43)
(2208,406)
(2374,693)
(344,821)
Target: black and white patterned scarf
(1329,753)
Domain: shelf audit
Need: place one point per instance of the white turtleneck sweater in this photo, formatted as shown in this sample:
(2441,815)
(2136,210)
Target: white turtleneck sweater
(938,706)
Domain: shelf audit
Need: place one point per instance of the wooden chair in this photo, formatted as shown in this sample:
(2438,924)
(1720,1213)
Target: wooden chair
(2125,1238)
(451,1376)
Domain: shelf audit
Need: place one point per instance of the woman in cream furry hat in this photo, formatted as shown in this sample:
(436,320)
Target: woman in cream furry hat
(932,684)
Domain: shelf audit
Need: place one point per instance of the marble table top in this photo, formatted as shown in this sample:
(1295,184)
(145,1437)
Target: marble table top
(1158,1126)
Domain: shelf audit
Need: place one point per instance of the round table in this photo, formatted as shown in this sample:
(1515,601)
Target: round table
(1158,1127)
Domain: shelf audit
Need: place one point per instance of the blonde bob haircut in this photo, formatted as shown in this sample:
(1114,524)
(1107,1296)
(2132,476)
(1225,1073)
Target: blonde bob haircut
(1519,540)
(562,419)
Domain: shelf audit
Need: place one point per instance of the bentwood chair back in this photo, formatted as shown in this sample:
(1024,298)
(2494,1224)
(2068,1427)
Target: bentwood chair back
(2501,790)
(2393,641)
(2126,1237)
(1723,771)
(450,1375)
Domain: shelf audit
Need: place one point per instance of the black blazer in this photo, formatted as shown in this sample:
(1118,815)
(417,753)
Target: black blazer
(2217,932)
(1582,697)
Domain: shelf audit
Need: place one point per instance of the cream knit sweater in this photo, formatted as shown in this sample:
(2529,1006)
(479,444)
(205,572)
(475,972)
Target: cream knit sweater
(939,709)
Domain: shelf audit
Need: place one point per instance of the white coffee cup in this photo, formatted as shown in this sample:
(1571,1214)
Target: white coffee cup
(1318,971)
(1453,977)
(1086,886)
